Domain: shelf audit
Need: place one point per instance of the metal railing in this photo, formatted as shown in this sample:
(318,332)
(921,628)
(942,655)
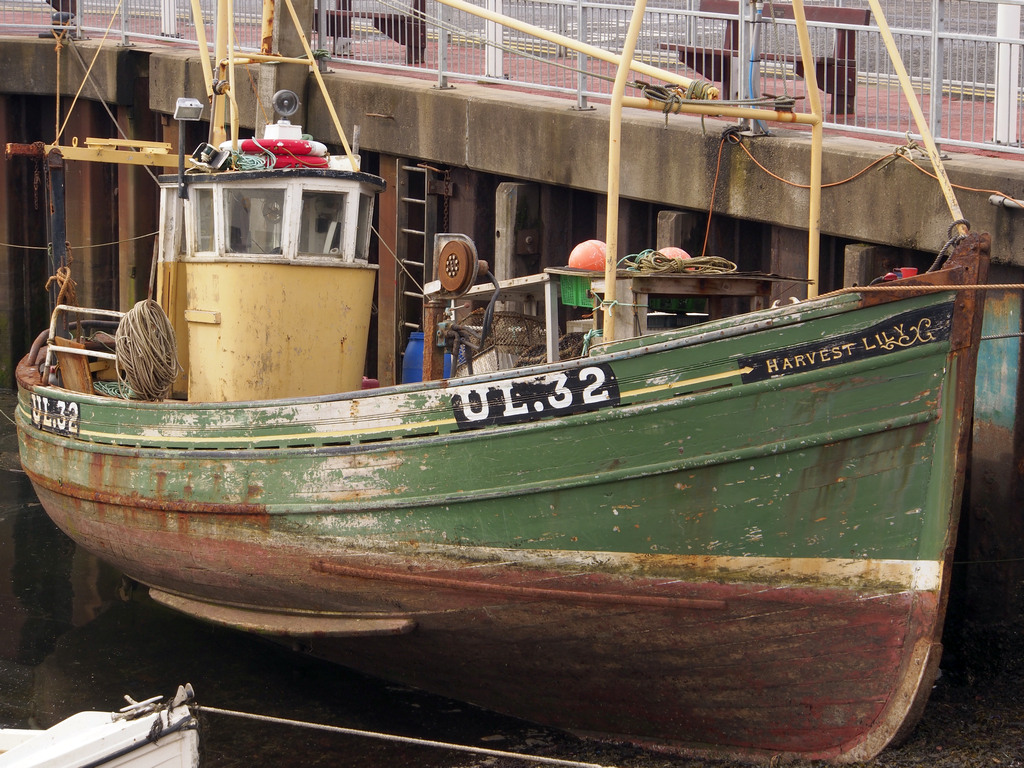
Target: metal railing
(963,56)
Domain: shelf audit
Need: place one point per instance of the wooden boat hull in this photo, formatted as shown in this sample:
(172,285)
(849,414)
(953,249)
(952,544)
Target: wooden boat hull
(734,538)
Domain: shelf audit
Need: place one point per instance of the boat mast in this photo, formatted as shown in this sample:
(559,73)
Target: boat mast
(609,303)
(817,141)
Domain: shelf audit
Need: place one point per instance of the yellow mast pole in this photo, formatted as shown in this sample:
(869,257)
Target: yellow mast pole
(204,49)
(231,75)
(919,119)
(817,139)
(220,54)
(614,153)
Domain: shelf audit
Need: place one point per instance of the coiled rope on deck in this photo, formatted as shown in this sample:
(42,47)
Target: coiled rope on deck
(655,262)
(147,353)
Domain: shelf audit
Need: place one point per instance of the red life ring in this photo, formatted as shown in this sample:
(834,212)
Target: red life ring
(307,161)
(299,147)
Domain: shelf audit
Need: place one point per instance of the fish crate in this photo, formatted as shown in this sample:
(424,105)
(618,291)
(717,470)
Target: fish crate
(575,291)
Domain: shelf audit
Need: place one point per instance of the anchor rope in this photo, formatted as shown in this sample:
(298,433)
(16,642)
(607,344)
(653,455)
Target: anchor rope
(147,353)
(401,739)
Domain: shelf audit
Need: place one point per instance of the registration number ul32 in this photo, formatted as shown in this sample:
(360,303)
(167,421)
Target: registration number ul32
(51,414)
(555,394)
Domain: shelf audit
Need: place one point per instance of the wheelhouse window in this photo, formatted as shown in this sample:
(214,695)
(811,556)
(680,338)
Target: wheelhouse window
(172,226)
(253,220)
(363,231)
(202,204)
(322,224)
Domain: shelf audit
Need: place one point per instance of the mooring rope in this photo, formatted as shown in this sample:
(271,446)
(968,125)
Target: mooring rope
(66,286)
(147,354)
(402,739)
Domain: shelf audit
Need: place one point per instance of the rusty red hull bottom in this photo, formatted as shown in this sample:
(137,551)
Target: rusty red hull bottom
(741,668)
(809,677)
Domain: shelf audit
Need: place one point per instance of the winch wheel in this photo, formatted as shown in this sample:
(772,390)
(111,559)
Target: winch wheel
(458,267)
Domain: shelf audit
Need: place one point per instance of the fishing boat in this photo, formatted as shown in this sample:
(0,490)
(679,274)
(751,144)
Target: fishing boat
(145,734)
(731,538)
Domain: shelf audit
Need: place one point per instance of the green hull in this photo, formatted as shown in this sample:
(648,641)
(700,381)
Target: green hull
(734,537)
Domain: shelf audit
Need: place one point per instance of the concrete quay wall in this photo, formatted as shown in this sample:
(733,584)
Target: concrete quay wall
(531,137)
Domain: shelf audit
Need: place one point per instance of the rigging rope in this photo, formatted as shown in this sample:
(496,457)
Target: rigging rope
(147,354)
(81,87)
(924,288)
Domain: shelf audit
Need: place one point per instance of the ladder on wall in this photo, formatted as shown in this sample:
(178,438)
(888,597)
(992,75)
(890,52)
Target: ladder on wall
(413,210)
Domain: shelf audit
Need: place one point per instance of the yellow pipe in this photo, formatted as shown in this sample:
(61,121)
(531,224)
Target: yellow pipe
(614,154)
(267,27)
(204,50)
(717,109)
(568,42)
(817,139)
(220,53)
(915,109)
(273,58)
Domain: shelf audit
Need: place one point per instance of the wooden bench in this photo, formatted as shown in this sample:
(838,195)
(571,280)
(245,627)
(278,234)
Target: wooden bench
(404,29)
(836,74)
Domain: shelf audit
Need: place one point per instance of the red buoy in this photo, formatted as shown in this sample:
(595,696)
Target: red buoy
(588,255)
(671,252)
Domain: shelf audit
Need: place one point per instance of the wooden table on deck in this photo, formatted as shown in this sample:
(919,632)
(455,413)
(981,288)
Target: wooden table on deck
(635,288)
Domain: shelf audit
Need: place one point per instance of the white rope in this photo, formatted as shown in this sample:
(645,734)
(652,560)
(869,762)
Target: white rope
(147,355)
(403,739)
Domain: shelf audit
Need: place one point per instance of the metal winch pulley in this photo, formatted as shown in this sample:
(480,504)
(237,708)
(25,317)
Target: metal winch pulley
(458,265)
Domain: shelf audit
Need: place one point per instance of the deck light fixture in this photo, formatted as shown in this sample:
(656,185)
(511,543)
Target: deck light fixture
(185,110)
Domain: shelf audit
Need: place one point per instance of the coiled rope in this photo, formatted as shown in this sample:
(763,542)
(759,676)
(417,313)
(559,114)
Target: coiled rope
(402,739)
(147,354)
(655,262)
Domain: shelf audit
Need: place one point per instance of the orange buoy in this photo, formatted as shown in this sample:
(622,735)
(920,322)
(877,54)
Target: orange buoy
(671,252)
(589,254)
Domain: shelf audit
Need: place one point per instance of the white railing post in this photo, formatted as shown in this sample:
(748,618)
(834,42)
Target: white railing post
(937,48)
(444,37)
(581,59)
(1007,75)
(495,66)
(168,22)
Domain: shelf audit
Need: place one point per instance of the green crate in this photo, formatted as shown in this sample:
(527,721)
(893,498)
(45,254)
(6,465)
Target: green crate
(575,291)
(676,304)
